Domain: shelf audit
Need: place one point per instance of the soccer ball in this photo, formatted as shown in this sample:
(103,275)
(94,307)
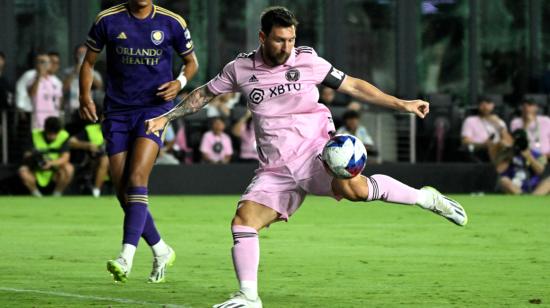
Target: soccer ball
(344,156)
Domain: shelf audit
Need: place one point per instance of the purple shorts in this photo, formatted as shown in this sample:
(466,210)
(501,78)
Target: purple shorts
(120,131)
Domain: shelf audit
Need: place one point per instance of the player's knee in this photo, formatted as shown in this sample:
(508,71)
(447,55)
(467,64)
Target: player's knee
(354,189)
(138,178)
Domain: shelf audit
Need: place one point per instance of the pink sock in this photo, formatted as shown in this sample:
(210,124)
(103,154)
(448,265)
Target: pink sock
(385,188)
(246,252)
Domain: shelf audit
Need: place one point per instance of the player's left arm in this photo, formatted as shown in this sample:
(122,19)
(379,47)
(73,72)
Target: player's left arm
(365,91)
(169,90)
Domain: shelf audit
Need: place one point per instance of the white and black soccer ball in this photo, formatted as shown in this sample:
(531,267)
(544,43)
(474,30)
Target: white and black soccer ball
(344,156)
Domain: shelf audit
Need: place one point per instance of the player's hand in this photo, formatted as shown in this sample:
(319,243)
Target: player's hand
(87,109)
(155,124)
(47,165)
(93,148)
(169,90)
(419,107)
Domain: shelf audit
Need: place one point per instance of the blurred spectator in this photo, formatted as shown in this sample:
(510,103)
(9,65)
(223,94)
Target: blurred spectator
(355,106)
(244,130)
(352,126)
(521,168)
(5,86)
(48,163)
(71,89)
(166,156)
(485,133)
(221,105)
(182,151)
(537,126)
(216,145)
(95,163)
(45,90)
(327,96)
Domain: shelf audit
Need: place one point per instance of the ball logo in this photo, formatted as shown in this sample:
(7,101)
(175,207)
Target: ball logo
(157,37)
(292,74)
(256,96)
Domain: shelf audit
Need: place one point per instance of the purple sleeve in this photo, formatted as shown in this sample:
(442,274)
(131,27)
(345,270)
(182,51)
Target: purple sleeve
(97,36)
(225,81)
(182,37)
(326,74)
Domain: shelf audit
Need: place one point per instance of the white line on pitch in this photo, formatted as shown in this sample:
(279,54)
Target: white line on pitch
(91,297)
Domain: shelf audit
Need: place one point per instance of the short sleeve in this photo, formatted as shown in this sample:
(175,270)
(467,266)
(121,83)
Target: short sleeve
(326,74)
(515,124)
(182,37)
(224,82)
(228,147)
(467,129)
(205,143)
(97,37)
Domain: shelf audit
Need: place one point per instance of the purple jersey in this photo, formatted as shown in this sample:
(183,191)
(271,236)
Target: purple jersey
(139,55)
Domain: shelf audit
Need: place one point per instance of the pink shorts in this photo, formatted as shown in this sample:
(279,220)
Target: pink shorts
(284,188)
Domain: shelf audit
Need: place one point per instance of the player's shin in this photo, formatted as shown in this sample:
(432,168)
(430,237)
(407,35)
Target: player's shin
(246,258)
(385,188)
(135,217)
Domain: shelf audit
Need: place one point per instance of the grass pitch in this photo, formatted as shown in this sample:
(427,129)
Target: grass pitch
(53,253)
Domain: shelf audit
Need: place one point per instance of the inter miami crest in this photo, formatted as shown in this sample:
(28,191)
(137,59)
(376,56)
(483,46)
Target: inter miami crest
(292,74)
(157,37)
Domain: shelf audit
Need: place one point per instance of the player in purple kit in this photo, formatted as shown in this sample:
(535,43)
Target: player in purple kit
(291,129)
(140,39)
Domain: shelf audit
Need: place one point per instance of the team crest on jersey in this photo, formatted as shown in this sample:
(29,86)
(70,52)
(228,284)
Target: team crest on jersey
(157,37)
(292,74)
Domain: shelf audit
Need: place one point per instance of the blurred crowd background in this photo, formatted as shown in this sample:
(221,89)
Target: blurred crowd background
(484,65)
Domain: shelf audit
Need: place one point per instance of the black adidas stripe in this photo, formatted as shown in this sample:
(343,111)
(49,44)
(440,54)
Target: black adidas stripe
(375,191)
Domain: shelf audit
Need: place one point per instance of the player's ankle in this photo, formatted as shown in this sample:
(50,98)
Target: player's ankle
(250,289)
(160,248)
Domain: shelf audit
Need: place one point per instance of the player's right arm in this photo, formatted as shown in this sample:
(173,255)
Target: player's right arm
(224,82)
(87,105)
(192,103)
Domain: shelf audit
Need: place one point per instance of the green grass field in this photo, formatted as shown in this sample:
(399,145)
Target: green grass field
(330,254)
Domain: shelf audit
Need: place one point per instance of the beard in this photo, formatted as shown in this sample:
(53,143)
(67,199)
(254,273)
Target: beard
(277,59)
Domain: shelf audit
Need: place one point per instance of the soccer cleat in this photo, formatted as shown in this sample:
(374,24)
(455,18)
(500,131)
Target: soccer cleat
(239,300)
(159,266)
(119,269)
(446,207)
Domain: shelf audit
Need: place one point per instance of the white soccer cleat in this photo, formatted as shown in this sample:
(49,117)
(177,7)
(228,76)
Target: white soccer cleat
(159,266)
(119,269)
(446,207)
(239,300)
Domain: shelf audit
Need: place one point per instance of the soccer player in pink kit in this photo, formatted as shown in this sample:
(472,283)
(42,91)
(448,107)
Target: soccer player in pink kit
(280,82)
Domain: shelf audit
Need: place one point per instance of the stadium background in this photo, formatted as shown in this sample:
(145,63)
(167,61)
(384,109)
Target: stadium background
(445,51)
(329,254)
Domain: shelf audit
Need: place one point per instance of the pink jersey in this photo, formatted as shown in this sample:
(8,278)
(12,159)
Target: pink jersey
(288,120)
(248,143)
(216,147)
(538,133)
(47,100)
(479,130)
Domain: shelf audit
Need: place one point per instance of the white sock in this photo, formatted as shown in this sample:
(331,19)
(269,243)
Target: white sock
(57,193)
(425,199)
(250,289)
(160,248)
(36,193)
(128,251)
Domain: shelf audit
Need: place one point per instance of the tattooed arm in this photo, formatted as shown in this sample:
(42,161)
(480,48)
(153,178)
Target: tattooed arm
(192,103)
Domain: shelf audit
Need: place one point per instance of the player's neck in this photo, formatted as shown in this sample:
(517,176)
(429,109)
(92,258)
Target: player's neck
(265,58)
(140,12)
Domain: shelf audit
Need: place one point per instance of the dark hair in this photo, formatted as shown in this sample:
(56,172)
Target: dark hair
(528,100)
(351,114)
(52,125)
(214,119)
(484,98)
(277,16)
(2,55)
(54,53)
